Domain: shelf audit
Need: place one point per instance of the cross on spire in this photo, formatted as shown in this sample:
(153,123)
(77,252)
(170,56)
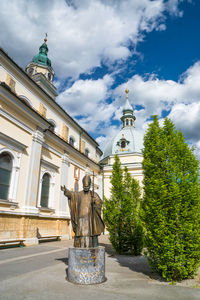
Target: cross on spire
(45,39)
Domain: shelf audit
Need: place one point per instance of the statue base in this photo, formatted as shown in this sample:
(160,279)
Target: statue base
(86,265)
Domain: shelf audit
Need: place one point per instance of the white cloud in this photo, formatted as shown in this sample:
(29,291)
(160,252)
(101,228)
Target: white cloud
(186,118)
(155,94)
(81,33)
(197,149)
(86,101)
(180,98)
(172,6)
(108,133)
(116,53)
(84,96)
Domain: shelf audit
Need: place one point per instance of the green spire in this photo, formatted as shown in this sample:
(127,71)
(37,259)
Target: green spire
(41,58)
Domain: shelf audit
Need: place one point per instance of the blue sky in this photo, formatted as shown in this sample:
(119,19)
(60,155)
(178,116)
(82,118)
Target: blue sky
(170,52)
(98,48)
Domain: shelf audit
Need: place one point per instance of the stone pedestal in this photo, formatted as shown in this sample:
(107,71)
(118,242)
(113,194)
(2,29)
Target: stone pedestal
(86,265)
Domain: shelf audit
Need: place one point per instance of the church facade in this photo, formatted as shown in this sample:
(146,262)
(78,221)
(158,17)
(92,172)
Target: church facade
(41,148)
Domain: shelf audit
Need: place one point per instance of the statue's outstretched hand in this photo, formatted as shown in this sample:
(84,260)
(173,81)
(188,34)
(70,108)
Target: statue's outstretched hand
(67,193)
(63,188)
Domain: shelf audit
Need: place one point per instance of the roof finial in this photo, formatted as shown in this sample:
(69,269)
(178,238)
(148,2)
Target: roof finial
(45,39)
(127,91)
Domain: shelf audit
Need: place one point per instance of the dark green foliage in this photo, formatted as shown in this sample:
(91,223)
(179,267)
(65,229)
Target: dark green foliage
(122,212)
(171,205)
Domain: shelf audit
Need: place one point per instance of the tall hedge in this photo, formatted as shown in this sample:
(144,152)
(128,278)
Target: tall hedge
(122,212)
(171,204)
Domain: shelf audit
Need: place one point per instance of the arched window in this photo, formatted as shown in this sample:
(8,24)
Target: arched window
(45,190)
(76,186)
(123,143)
(5,174)
(30,71)
(72,141)
(49,76)
(87,152)
(126,121)
(25,99)
(131,122)
(52,127)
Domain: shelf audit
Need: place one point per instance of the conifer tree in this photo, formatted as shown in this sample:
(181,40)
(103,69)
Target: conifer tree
(121,212)
(112,207)
(171,204)
(133,229)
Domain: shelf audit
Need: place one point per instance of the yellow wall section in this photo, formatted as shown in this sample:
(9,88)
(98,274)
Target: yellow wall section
(17,116)
(13,227)
(41,70)
(15,132)
(2,74)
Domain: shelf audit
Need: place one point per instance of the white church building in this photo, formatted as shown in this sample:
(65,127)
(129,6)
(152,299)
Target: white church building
(127,144)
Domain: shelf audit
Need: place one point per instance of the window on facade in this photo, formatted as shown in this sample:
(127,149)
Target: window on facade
(76,172)
(52,126)
(45,190)
(72,141)
(5,174)
(87,152)
(76,186)
(49,76)
(131,122)
(30,71)
(126,121)
(26,100)
(123,144)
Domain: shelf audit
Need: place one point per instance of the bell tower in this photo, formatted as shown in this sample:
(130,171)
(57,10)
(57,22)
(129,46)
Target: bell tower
(41,71)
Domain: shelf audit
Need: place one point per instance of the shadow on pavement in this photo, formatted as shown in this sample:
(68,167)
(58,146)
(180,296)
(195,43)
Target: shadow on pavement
(137,264)
(64,260)
(108,248)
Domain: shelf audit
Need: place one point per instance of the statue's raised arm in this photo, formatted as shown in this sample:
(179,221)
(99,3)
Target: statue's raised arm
(67,192)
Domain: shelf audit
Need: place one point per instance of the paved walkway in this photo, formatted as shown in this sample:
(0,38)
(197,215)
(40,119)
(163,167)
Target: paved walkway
(39,273)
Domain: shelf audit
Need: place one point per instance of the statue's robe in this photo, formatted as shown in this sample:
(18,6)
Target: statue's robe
(83,221)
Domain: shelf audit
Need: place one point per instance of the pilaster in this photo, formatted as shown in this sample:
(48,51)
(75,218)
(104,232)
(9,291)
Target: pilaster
(34,171)
(63,203)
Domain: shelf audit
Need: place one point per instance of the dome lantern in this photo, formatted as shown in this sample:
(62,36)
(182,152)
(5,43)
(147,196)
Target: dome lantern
(128,140)
(128,119)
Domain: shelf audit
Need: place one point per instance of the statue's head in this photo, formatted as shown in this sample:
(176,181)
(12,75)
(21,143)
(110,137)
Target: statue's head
(86,183)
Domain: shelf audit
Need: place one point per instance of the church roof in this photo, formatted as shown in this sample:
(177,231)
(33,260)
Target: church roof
(132,138)
(127,106)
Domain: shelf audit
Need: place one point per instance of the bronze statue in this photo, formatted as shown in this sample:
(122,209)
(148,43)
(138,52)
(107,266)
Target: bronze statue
(85,210)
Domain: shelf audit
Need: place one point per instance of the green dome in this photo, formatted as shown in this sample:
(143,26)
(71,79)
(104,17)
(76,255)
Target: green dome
(41,58)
